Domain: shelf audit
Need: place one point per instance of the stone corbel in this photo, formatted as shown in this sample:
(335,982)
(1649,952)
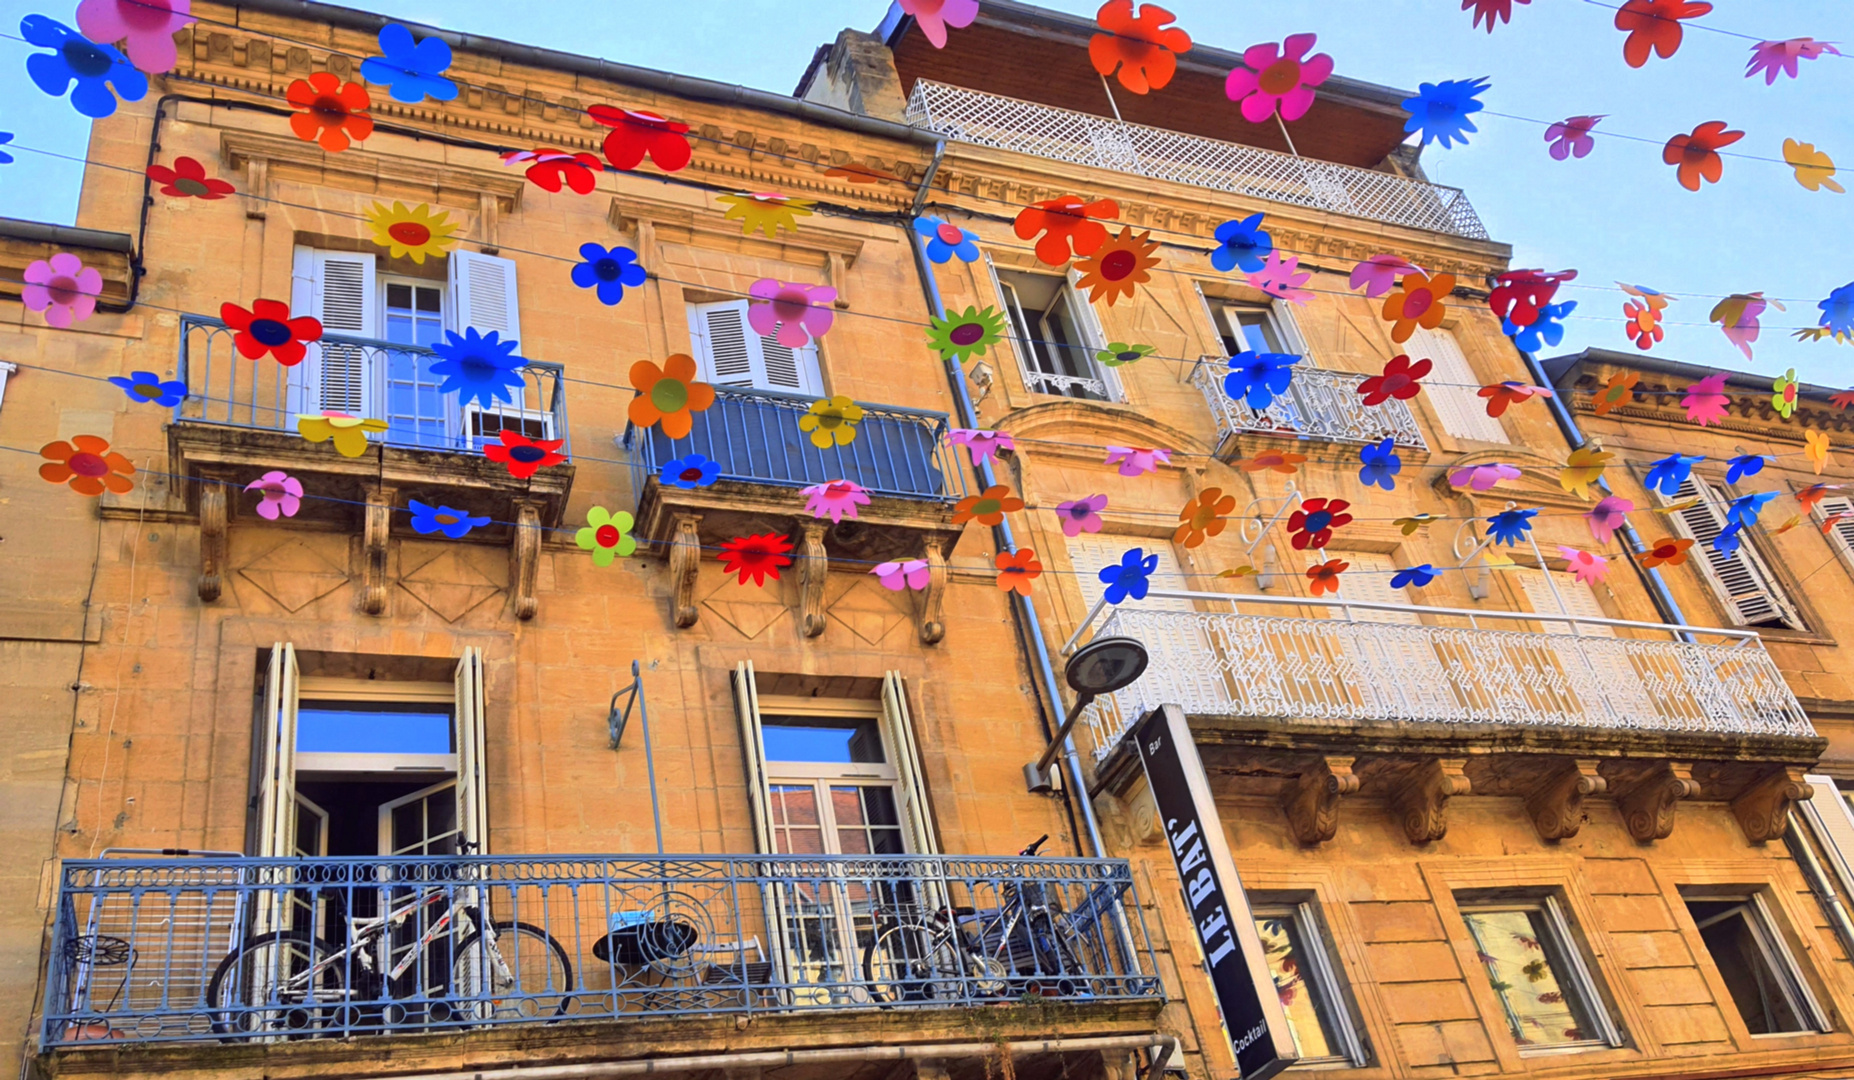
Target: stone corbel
(1421,799)
(1763,809)
(488,218)
(215,519)
(1648,805)
(1312,800)
(1556,806)
(685,562)
(525,558)
(837,265)
(376,528)
(257,183)
(930,603)
(813,574)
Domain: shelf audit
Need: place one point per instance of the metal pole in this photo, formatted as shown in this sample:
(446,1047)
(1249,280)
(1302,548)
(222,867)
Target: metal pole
(650,765)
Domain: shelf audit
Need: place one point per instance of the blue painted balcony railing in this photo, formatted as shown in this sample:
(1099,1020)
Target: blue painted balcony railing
(360,376)
(258,950)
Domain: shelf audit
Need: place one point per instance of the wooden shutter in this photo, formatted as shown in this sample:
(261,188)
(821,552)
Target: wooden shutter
(1741,580)
(275,778)
(1831,819)
(342,291)
(1841,533)
(731,354)
(472,781)
(916,812)
(1452,387)
(777,899)
(1094,337)
(484,294)
(1577,597)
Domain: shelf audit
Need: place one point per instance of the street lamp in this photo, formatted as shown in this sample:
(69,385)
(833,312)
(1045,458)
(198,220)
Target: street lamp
(1102,666)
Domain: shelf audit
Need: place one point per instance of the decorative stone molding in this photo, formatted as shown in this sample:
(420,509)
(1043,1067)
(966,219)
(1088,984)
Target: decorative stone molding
(215,514)
(1312,799)
(1421,797)
(813,574)
(1648,799)
(525,557)
(685,562)
(1763,808)
(374,533)
(1556,805)
(370,172)
(930,603)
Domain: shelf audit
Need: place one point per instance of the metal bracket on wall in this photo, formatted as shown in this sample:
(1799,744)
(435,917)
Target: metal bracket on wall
(615,723)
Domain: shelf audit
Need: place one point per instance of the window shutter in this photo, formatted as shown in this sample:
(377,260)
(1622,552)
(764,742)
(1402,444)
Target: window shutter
(916,813)
(1741,580)
(1577,597)
(1095,336)
(775,896)
(731,354)
(484,295)
(275,759)
(1829,816)
(1367,581)
(1841,533)
(1092,554)
(1015,332)
(1452,388)
(472,782)
(343,293)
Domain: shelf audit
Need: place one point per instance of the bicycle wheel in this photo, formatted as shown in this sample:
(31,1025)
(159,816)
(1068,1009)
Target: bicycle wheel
(534,979)
(267,990)
(909,963)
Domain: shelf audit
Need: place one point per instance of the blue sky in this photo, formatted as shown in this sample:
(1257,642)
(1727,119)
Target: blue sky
(1617,214)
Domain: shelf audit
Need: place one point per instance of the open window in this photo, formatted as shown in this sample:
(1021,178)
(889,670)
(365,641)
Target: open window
(1538,973)
(730,353)
(1742,581)
(1759,972)
(1055,335)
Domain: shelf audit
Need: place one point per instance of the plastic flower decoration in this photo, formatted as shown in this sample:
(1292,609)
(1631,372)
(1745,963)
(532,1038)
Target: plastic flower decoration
(609,272)
(146,26)
(550,169)
(1815,170)
(1667,474)
(1842,399)
(1140,46)
(1016,572)
(1832,520)
(607,535)
(5,158)
(1815,448)
(87,464)
(1117,266)
(1790,523)
(146,386)
(1491,10)
(1814,493)
(455,524)
(1502,395)
(1440,111)
(1570,137)
(268,329)
(1202,517)
(1078,516)
(1696,155)
(1410,525)
(767,212)
(1312,525)
(1130,577)
(522,456)
(934,16)
(1256,379)
(1617,392)
(1137,460)
(962,335)
(1509,527)
(1548,331)
(1786,390)
(1838,312)
(756,557)
(416,232)
(1421,300)
(637,134)
(1381,465)
(1666,551)
(1654,25)
(1067,224)
(1377,275)
(348,433)
(279,495)
(1482,477)
(1281,277)
(1644,314)
(413,70)
(1400,379)
(1773,58)
(988,507)
(188,180)
(1278,79)
(858,173)
(1744,465)
(1587,567)
(982,444)
(1242,245)
(946,240)
(1744,510)
(689,471)
(1706,400)
(329,112)
(1418,576)
(1610,513)
(831,421)
(479,367)
(93,68)
(837,500)
(1272,461)
(1119,352)
(63,288)
(1584,467)
(907,574)
(1520,297)
(798,313)
(1324,578)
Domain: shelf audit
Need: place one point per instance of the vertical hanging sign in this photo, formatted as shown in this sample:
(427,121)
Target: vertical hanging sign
(1233,955)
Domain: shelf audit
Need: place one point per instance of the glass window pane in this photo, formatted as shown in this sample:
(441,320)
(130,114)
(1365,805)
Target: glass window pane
(1515,947)
(364,730)
(1287,962)
(815,739)
(1757,989)
(795,825)
(1258,330)
(399,296)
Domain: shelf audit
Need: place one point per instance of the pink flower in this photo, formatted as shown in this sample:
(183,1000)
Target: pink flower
(1275,76)
(1737,316)
(838,498)
(1482,477)
(148,26)
(911,574)
(279,494)
(934,16)
(1137,460)
(1378,274)
(1586,567)
(1571,138)
(1607,516)
(983,444)
(64,289)
(1706,401)
(1770,57)
(1277,277)
(1081,515)
(799,312)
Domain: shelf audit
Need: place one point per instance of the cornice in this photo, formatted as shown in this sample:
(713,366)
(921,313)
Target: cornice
(1745,414)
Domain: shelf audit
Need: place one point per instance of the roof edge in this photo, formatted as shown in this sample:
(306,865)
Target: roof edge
(64,235)
(1562,370)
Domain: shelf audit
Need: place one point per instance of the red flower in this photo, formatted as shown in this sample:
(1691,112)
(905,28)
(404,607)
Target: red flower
(1400,380)
(1491,10)
(1313,524)
(329,111)
(1325,577)
(1519,294)
(1500,395)
(636,133)
(756,557)
(1064,222)
(1016,572)
(1141,46)
(188,180)
(549,168)
(1654,24)
(1697,154)
(523,455)
(268,328)
(1842,399)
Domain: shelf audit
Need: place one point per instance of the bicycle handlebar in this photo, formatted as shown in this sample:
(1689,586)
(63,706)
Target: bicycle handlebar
(1037,843)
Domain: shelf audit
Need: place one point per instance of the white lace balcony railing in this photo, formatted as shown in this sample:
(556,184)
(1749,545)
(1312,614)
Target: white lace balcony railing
(1319,404)
(1356,666)
(1084,139)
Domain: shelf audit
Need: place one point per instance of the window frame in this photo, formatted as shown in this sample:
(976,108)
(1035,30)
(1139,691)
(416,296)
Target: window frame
(807,360)
(1784,968)
(1577,976)
(1087,328)
(7,367)
(1749,555)
(1323,981)
(1451,402)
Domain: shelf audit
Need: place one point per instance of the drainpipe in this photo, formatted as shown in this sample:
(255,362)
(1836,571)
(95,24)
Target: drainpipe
(1798,837)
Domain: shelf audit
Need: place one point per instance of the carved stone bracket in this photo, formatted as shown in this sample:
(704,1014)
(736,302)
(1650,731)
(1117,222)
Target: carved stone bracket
(1421,798)
(1556,805)
(685,562)
(930,603)
(1312,800)
(813,575)
(1648,803)
(376,529)
(1763,808)
(525,558)
(215,514)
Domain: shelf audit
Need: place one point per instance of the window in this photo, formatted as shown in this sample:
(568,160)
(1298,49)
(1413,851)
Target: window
(1840,508)
(1055,335)
(1537,974)
(1741,580)
(1253,328)
(1308,986)
(1453,388)
(1756,966)
(731,354)
(6,368)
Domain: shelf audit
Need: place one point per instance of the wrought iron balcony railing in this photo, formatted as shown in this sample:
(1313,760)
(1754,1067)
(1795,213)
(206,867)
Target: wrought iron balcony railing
(1319,404)
(1085,139)
(1384,663)
(258,950)
(364,377)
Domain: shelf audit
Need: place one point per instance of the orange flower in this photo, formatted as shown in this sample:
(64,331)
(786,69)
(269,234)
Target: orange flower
(1420,301)
(330,111)
(1666,551)
(88,465)
(1016,572)
(1118,265)
(1065,222)
(1696,155)
(1142,46)
(988,508)
(1203,516)
(1325,577)
(668,395)
(1272,461)
(1619,391)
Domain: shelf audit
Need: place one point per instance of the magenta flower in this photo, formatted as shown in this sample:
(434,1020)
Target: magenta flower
(64,289)
(1276,77)
(983,444)
(838,498)
(1706,400)
(911,574)
(1770,57)
(1608,515)
(279,495)
(147,26)
(1586,566)
(1571,137)
(1278,277)
(1378,274)
(1482,477)
(799,312)
(934,16)
(1137,460)
(1081,515)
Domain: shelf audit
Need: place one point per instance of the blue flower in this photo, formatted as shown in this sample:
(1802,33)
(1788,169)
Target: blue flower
(1744,465)
(1745,509)
(1418,576)
(1129,578)
(413,70)
(1548,331)
(1509,527)
(692,471)
(1381,465)
(1242,244)
(147,386)
(1727,541)
(1441,110)
(1837,310)
(479,367)
(610,272)
(94,68)
(453,523)
(5,158)
(1667,474)
(945,240)
(1256,378)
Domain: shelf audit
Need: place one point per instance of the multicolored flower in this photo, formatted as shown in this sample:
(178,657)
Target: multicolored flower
(1644,314)
(1519,297)
(1130,577)
(1587,567)
(831,421)
(1016,572)
(607,535)
(1570,137)
(1203,517)
(1142,48)
(1482,477)
(608,271)
(1609,514)
(1312,525)
(348,433)
(1617,392)
(1119,352)
(756,557)
(279,495)
(1242,245)
(76,59)
(523,456)
(766,211)
(455,524)
(1667,474)
(906,574)
(1381,465)
(961,336)
(329,112)
(1666,551)
(479,367)
(1418,576)
(1786,391)
(1066,224)
(669,395)
(188,180)
(1546,332)
(1400,379)
(689,471)
(1324,578)
(1078,516)
(946,241)
(1773,58)
(88,465)
(796,311)
(1509,527)
(550,169)
(982,444)
(1377,275)
(637,134)
(1584,468)
(1706,400)
(1256,379)
(147,28)
(1421,300)
(1281,277)
(146,386)
(1696,154)
(412,70)
(934,16)
(1137,460)
(416,232)
(1277,80)
(837,500)
(63,288)
(1814,493)
(268,328)
(1114,269)
(987,507)
(1654,25)
(1440,111)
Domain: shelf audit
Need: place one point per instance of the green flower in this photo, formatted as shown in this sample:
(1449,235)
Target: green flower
(1119,352)
(1784,400)
(966,334)
(606,535)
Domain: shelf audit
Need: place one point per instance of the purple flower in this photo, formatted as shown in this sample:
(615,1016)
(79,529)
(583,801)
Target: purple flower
(983,444)
(279,495)
(800,313)
(839,499)
(1607,516)
(1081,515)
(909,574)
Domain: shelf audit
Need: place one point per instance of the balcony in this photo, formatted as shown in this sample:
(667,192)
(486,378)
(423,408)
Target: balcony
(900,456)
(1319,404)
(1085,139)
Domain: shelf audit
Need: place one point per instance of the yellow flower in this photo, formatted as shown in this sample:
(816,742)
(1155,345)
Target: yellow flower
(416,232)
(765,212)
(1815,170)
(1675,508)
(1409,525)
(1816,449)
(832,420)
(1584,468)
(348,432)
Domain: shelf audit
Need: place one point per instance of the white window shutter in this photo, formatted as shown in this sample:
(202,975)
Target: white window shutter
(472,776)
(1452,388)
(484,294)
(1577,597)
(1741,580)
(1089,322)
(916,815)
(344,294)
(1828,814)
(1283,314)
(1367,581)
(731,354)
(275,759)
(1841,533)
